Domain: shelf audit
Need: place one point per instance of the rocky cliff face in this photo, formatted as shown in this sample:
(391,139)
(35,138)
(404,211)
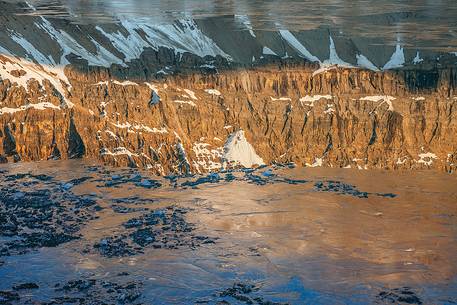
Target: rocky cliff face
(172,100)
(341,118)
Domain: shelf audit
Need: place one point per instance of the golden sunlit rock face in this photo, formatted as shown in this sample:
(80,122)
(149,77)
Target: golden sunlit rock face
(339,118)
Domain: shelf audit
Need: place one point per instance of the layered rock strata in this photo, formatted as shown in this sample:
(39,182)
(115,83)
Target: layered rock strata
(287,113)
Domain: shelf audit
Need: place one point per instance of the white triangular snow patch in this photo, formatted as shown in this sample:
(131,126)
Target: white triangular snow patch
(397,60)
(364,62)
(417,59)
(268,51)
(238,151)
(334,59)
(293,42)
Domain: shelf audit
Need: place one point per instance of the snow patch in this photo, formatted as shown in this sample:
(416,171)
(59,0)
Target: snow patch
(417,59)
(284,99)
(318,162)
(39,106)
(116,82)
(69,45)
(132,45)
(268,51)
(185,102)
(418,98)
(310,99)
(238,151)
(329,109)
(182,36)
(401,161)
(427,158)
(112,134)
(384,98)
(191,94)
(208,66)
(397,60)
(364,62)
(32,52)
(54,74)
(244,20)
(213,92)
(206,158)
(324,68)
(155,98)
(140,127)
(149,129)
(334,59)
(293,42)
(118,151)
(183,164)
(153,87)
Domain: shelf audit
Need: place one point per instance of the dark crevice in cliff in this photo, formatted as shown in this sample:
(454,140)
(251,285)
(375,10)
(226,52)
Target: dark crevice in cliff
(422,80)
(394,121)
(9,142)
(329,144)
(434,132)
(373,132)
(286,118)
(76,147)
(55,152)
(132,162)
(183,166)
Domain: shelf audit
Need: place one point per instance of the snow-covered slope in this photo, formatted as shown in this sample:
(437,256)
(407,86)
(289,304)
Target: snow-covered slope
(238,151)
(236,40)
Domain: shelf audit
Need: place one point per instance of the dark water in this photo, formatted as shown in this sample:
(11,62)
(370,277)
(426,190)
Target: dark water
(429,24)
(288,236)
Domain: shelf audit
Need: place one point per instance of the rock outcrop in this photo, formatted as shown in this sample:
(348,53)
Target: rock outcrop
(341,118)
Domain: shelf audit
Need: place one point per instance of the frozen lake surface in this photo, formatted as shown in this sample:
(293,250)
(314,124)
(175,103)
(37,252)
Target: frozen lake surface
(74,232)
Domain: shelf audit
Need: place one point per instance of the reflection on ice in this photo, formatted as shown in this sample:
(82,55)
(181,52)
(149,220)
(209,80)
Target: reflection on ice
(279,235)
